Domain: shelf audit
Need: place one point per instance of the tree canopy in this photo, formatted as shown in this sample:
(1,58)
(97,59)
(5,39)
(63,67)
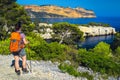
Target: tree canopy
(67,33)
(10,14)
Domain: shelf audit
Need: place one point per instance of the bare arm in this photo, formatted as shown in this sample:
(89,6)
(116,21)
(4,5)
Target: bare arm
(25,41)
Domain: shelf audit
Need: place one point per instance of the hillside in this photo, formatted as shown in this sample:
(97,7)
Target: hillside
(48,11)
(41,70)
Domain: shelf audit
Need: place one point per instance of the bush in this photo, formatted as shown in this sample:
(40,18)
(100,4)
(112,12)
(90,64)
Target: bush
(4,47)
(52,51)
(116,56)
(97,62)
(66,33)
(98,24)
(40,49)
(72,71)
(117,51)
(103,49)
(35,40)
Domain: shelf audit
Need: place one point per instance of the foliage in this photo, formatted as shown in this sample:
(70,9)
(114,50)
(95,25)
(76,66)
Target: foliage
(39,49)
(43,50)
(117,51)
(4,47)
(85,25)
(116,54)
(52,51)
(10,14)
(72,71)
(66,33)
(99,59)
(103,49)
(97,62)
(98,24)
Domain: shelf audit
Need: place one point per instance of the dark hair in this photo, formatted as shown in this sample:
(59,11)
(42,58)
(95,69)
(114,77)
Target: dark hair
(18,26)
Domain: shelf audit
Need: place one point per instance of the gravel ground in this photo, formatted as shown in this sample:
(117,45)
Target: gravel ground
(41,70)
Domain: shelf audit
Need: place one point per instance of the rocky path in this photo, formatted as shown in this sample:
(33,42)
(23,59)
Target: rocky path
(40,71)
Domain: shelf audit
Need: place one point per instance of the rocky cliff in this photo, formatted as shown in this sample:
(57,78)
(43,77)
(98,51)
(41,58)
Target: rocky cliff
(48,11)
(97,30)
(87,30)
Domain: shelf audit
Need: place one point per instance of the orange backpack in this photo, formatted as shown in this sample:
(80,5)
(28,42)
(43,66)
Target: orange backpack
(15,42)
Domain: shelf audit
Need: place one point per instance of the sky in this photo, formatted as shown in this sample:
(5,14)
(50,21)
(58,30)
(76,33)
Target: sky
(102,8)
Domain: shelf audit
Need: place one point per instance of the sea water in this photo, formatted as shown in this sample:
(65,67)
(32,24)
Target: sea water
(89,42)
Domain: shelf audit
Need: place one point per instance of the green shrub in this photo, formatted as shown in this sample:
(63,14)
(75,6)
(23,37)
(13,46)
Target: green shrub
(72,71)
(52,51)
(98,63)
(40,49)
(98,24)
(66,33)
(116,54)
(4,47)
(103,49)
(35,40)
(117,51)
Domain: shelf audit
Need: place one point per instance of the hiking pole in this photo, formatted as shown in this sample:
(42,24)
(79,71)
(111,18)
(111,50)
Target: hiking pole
(30,66)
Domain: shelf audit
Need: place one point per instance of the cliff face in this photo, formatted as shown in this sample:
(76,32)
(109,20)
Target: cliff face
(97,30)
(49,11)
(87,31)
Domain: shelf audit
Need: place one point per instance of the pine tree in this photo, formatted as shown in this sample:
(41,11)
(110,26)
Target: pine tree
(10,14)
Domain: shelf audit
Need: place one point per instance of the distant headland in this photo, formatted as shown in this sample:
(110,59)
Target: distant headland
(52,11)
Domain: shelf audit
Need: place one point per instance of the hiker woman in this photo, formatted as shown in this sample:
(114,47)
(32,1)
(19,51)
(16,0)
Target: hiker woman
(17,44)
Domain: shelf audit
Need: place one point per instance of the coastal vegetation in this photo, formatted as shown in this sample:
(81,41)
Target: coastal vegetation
(116,48)
(66,33)
(96,24)
(72,71)
(116,42)
(101,58)
(10,14)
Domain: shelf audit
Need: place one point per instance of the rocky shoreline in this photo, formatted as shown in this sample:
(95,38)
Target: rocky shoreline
(97,30)
(87,31)
(41,70)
